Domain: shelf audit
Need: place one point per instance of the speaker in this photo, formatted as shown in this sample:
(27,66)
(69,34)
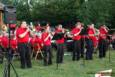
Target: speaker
(9,14)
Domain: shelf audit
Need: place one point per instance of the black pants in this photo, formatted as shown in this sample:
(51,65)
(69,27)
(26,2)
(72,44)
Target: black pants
(102,48)
(24,51)
(82,47)
(90,49)
(1,55)
(77,50)
(47,55)
(60,53)
(113,44)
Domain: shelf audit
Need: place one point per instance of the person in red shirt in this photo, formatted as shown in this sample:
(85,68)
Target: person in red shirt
(13,45)
(77,44)
(91,39)
(60,44)
(46,38)
(5,41)
(13,42)
(103,31)
(38,27)
(36,42)
(22,35)
(91,33)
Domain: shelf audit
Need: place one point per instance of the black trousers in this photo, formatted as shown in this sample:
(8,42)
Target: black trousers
(77,50)
(47,55)
(113,44)
(60,53)
(102,48)
(1,55)
(24,52)
(82,47)
(90,49)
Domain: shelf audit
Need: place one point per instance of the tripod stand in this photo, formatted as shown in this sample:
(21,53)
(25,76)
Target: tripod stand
(8,64)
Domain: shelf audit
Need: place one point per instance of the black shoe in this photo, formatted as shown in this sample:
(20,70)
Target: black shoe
(50,63)
(23,67)
(78,59)
(73,59)
(45,64)
(1,61)
(29,66)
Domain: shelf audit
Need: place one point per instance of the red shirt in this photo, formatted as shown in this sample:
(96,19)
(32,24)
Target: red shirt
(36,43)
(44,36)
(0,40)
(4,41)
(13,43)
(91,33)
(24,39)
(38,28)
(59,41)
(74,31)
(103,33)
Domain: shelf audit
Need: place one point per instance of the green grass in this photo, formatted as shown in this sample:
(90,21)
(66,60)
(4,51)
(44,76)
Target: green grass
(67,69)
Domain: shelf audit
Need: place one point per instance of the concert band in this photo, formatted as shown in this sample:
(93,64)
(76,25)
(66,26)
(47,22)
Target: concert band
(39,39)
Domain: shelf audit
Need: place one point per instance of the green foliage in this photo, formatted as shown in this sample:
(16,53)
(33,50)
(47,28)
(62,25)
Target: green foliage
(55,11)
(23,12)
(96,11)
(64,11)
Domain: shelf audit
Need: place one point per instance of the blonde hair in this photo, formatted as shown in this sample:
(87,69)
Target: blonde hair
(4,27)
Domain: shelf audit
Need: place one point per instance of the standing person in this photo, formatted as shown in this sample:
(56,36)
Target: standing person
(38,27)
(103,31)
(23,34)
(91,42)
(60,44)
(46,37)
(5,41)
(83,33)
(13,45)
(77,44)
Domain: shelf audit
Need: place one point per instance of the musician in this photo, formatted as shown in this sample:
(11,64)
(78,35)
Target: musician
(103,31)
(83,33)
(23,34)
(46,38)
(13,45)
(77,44)
(60,44)
(36,42)
(38,27)
(90,41)
(4,41)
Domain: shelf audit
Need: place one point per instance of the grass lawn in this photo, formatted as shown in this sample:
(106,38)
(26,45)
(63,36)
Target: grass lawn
(67,69)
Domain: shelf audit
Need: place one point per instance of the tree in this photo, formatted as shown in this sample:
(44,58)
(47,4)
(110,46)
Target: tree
(23,12)
(95,11)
